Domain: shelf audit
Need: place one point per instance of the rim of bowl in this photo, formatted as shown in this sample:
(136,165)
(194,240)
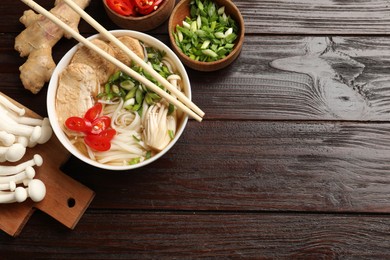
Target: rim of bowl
(52,90)
(137,18)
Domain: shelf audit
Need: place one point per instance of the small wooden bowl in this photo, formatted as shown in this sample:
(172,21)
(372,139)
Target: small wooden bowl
(142,23)
(181,11)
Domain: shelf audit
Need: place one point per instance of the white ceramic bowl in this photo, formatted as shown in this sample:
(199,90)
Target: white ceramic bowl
(52,89)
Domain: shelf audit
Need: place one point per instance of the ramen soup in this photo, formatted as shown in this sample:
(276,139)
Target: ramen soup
(109,116)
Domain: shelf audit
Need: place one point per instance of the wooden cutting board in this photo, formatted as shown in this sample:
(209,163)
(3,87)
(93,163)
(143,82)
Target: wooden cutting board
(66,199)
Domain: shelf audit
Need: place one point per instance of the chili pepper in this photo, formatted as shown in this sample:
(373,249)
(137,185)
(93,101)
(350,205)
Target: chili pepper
(133,7)
(122,7)
(96,128)
(146,6)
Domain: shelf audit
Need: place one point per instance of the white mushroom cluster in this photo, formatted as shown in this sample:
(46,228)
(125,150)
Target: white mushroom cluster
(24,173)
(17,133)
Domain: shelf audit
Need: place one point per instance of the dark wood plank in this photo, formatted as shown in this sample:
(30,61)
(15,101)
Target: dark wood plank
(275,78)
(263,17)
(159,235)
(281,145)
(11,11)
(352,84)
(316,17)
(290,78)
(238,165)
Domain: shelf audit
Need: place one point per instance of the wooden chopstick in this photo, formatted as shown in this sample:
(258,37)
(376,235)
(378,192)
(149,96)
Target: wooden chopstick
(134,57)
(33,5)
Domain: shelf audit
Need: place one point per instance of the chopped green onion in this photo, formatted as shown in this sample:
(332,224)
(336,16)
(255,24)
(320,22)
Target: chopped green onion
(171,134)
(135,161)
(198,22)
(221,10)
(128,103)
(229,31)
(139,96)
(115,89)
(205,44)
(210,53)
(171,109)
(219,35)
(194,26)
(208,34)
(131,93)
(186,25)
(180,36)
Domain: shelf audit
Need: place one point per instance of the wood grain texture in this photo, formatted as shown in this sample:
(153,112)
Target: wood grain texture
(263,17)
(300,78)
(316,17)
(237,165)
(189,235)
(274,78)
(289,163)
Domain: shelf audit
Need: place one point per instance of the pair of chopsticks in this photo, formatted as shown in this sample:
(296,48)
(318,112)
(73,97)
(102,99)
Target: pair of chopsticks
(181,102)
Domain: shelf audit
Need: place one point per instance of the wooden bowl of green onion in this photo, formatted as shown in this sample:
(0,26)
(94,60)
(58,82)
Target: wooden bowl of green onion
(207,35)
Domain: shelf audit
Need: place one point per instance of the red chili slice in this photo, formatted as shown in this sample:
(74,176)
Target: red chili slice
(146,7)
(108,134)
(96,127)
(97,142)
(78,124)
(100,142)
(100,124)
(94,112)
(122,7)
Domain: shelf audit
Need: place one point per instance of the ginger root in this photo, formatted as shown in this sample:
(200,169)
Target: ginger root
(38,39)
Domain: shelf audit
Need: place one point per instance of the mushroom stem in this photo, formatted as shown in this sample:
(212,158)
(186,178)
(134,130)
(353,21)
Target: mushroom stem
(6,138)
(9,170)
(46,131)
(7,197)
(8,104)
(26,120)
(28,173)
(8,186)
(17,129)
(39,130)
(36,190)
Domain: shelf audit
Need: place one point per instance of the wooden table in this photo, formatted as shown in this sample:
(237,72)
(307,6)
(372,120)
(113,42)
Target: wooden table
(291,161)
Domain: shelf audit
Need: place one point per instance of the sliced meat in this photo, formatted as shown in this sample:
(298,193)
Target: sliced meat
(77,86)
(104,68)
(132,44)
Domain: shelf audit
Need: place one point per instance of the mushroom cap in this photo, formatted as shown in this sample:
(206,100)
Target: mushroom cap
(36,190)
(6,138)
(38,160)
(20,194)
(30,172)
(15,152)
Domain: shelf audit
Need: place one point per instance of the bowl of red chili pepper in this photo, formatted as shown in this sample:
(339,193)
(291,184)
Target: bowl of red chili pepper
(139,15)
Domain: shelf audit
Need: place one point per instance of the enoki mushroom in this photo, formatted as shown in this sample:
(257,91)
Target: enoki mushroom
(17,183)
(17,133)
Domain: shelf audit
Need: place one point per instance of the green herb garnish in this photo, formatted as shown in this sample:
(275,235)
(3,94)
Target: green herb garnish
(208,34)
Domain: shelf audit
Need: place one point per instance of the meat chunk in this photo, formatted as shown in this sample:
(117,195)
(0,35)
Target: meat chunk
(77,86)
(132,44)
(103,67)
